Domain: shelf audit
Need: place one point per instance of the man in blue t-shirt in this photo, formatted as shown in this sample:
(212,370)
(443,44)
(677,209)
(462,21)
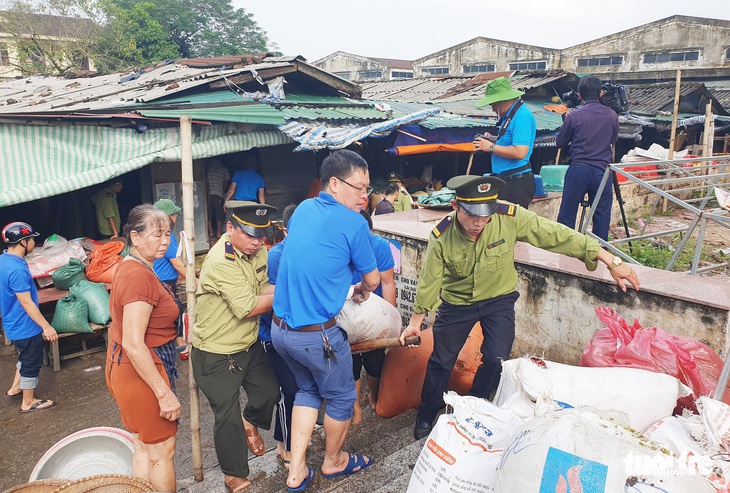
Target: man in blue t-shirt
(512,147)
(246,184)
(373,360)
(287,381)
(23,322)
(327,243)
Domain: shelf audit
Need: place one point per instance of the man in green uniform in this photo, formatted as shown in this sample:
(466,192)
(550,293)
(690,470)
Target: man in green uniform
(404,201)
(469,271)
(107,209)
(233,291)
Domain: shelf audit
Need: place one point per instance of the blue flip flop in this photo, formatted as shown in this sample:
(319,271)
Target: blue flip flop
(355,463)
(303,485)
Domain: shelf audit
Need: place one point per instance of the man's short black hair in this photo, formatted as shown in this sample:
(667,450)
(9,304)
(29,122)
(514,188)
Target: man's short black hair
(589,88)
(287,214)
(391,188)
(341,164)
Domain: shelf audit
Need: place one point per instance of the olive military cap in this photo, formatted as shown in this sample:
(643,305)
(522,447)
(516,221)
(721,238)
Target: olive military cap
(477,194)
(253,218)
(393,176)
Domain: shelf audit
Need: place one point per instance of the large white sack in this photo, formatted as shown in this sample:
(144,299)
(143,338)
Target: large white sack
(643,395)
(463,451)
(575,450)
(372,319)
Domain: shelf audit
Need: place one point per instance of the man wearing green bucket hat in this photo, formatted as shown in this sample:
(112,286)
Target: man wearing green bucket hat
(511,148)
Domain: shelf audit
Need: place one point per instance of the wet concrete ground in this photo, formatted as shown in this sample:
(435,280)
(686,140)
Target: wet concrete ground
(84,402)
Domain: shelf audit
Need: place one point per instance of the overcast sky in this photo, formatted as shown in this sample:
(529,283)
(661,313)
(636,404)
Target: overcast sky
(410,29)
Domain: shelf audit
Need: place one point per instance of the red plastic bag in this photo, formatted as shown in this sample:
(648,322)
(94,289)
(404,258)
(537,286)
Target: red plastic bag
(650,348)
(104,261)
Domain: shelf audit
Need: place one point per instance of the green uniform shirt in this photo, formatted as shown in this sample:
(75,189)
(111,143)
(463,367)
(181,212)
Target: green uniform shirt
(228,290)
(106,206)
(403,202)
(464,271)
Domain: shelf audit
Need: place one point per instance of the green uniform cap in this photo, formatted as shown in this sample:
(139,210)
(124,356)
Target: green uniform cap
(253,218)
(393,176)
(477,194)
(168,207)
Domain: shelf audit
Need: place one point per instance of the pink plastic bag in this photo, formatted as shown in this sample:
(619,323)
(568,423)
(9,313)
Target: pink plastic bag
(650,348)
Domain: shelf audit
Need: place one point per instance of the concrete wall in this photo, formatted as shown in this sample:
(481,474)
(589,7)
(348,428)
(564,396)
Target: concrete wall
(341,62)
(675,34)
(558,296)
(484,51)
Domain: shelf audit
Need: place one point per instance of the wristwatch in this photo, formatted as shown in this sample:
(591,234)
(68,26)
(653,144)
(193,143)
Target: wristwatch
(615,262)
(491,148)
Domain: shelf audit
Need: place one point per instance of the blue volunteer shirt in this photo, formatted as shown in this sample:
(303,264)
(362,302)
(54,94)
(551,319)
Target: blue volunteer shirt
(15,278)
(163,267)
(520,132)
(327,243)
(383,259)
(273,269)
(247,183)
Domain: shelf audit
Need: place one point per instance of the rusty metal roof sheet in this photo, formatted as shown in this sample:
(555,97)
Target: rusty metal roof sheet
(655,99)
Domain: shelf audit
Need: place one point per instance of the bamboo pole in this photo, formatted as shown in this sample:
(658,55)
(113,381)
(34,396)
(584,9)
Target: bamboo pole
(708,138)
(186,164)
(673,134)
(471,160)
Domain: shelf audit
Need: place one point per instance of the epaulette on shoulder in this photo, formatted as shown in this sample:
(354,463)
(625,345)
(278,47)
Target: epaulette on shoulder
(506,208)
(442,226)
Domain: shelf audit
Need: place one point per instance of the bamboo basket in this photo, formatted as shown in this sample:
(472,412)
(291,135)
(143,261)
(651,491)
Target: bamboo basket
(40,486)
(106,483)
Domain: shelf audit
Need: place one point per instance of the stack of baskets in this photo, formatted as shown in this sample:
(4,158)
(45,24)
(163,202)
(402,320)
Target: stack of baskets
(103,483)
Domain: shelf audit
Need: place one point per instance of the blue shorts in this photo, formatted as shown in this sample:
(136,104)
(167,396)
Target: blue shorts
(319,378)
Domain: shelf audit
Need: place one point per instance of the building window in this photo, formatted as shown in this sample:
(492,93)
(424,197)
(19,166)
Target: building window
(343,75)
(370,74)
(528,66)
(479,68)
(401,75)
(435,71)
(727,55)
(600,61)
(4,55)
(680,56)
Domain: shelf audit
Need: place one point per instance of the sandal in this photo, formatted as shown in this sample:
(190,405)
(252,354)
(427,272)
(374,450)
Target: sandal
(254,442)
(234,484)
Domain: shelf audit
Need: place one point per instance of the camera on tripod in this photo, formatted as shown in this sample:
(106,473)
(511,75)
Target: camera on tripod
(613,96)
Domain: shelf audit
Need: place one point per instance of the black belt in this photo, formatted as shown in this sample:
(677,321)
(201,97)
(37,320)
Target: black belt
(516,176)
(305,328)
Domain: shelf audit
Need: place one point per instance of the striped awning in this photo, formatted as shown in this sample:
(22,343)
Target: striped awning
(42,161)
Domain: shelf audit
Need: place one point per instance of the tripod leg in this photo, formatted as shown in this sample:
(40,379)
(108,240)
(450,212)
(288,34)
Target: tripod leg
(584,205)
(620,200)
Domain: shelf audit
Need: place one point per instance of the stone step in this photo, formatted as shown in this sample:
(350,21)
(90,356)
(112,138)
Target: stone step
(389,441)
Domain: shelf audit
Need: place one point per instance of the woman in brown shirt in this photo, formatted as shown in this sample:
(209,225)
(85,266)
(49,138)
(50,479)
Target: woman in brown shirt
(140,366)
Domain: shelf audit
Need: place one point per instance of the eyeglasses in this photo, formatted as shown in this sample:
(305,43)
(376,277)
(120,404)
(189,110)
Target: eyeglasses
(367,190)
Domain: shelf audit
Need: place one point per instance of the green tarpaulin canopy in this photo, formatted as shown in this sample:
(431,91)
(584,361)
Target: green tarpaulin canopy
(42,161)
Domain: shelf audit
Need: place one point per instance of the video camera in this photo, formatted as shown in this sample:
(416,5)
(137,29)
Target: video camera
(613,96)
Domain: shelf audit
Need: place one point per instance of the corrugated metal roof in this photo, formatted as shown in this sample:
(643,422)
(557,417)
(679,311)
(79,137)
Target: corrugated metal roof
(411,90)
(55,95)
(230,107)
(652,99)
(722,96)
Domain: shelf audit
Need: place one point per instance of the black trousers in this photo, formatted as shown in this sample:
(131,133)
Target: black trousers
(288,389)
(220,377)
(519,190)
(452,327)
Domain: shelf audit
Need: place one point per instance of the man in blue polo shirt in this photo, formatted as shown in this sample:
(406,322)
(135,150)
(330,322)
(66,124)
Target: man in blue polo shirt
(246,184)
(23,322)
(511,148)
(328,242)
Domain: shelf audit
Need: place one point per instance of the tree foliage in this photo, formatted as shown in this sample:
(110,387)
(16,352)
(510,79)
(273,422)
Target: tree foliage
(54,36)
(205,28)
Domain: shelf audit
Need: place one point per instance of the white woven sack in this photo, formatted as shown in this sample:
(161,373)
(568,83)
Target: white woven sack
(463,451)
(372,319)
(576,450)
(643,395)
